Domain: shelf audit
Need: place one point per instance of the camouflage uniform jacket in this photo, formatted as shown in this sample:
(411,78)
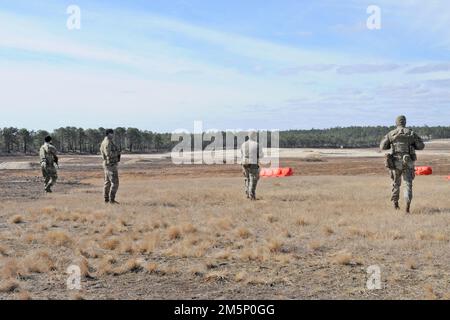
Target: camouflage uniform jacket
(110,153)
(403,141)
(251,153)
(47,154)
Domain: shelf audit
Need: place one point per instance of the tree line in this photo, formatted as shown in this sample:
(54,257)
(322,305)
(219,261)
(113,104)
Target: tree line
(132,140)
(82,141)
(351,137)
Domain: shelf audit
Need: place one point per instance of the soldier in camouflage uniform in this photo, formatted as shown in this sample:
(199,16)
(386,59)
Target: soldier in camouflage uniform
(111,158)
(49,159)
(401,162)
(251,153)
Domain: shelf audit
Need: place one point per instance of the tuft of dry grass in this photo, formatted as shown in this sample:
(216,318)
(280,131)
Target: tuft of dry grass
(223,255)
(421,235)
(49,210)
(17,219)
(397,235)
(151,267)
(4,250)
(197,270)
(127,245)
(216,276)
(30,238)
(110,244)
(192,240)
(224,223)
(430,294)
(357,232)
(23,296)
(88,250)
(254,254)
(131,265)
(188,228)
(284,259)
(58,238)
(84,267)
(343,258)
(106,265)
(9,286)
(315,245)
(168,270)
(174,233)
(10,269)
(271,218)
(441,237)
(274,245)
(301,222)
(77,296)
(241,276)
(156,224)
(243,233)
(122,221)
(410,264)
(149,243)
(38,262)
(328,230)
(110,230)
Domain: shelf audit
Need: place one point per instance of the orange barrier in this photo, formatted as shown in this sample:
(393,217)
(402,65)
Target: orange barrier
(424,171)
(287,172)
(276,172)
(263,172)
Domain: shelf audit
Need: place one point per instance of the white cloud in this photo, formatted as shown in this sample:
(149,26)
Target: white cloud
(367,68)
(430,68)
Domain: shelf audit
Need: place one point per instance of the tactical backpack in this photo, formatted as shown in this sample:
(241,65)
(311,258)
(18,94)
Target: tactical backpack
(403,143)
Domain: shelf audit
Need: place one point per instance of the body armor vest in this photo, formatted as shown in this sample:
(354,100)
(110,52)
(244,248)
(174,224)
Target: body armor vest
(402,141)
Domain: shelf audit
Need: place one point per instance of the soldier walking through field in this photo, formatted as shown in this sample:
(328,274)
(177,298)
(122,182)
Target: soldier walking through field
(111,158)
(403,143)
(49,159)
(251,153)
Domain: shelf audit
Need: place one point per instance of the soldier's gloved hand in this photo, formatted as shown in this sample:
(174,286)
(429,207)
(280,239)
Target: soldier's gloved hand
(44,165)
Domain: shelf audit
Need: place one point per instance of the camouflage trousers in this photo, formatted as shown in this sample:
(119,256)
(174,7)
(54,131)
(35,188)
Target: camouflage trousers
(251,174)
(111,182)
(405,171)
(50,176)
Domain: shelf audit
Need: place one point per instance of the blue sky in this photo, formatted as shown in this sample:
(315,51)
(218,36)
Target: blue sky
(285,64)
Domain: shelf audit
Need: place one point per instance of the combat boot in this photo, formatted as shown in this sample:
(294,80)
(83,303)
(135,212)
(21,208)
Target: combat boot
(114,202)
(408,207)
(396,205)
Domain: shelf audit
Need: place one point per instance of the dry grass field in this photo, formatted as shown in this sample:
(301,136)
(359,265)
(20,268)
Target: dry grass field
(186,232)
